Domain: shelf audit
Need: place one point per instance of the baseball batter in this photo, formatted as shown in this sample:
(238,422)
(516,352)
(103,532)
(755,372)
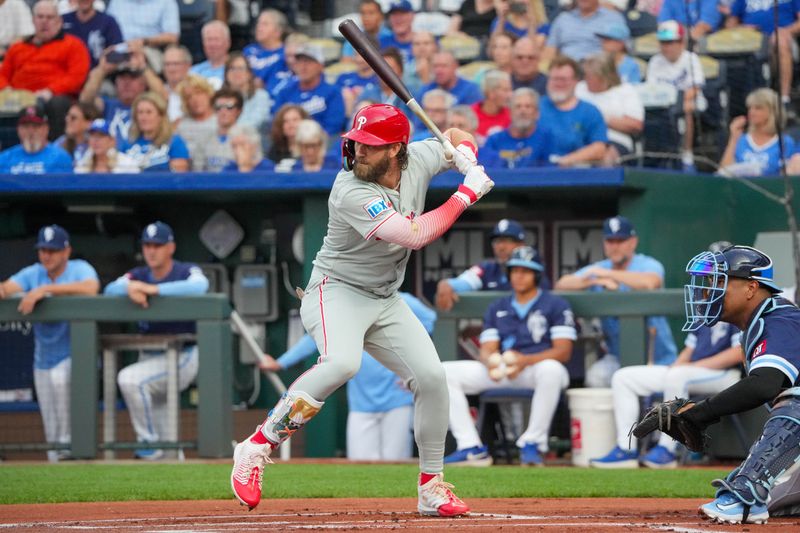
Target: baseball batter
(351,301)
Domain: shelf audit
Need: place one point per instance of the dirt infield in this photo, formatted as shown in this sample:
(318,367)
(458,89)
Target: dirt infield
(523,514)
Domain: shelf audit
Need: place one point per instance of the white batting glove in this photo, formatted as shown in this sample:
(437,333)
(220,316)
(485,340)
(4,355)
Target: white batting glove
(464,157)
(476,184)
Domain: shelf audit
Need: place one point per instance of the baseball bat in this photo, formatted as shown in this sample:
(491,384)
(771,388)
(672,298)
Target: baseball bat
(374,59)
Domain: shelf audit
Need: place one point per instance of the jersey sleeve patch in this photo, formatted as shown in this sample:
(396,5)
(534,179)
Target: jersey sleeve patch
(377,206)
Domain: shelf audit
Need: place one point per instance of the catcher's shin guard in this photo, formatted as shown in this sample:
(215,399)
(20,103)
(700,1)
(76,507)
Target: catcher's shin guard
(292,411)
(776,452)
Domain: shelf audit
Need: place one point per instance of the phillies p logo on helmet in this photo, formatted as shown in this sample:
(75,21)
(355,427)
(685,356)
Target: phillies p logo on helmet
(361,121)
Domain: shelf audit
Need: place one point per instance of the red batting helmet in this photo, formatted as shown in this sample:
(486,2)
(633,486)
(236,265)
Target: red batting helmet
(375,125)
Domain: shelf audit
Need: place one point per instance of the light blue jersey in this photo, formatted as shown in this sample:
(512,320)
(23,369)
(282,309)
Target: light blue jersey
(51,339)
(767,156)
(374,388)
(664,351)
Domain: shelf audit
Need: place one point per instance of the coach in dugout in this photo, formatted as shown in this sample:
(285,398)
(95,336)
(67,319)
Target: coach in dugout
(144,384)
(622,270)
(54,275)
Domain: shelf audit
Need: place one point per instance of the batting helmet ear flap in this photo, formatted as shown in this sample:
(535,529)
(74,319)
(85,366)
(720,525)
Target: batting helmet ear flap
(348,154)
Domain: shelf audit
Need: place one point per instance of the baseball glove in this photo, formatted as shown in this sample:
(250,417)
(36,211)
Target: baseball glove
(668,418)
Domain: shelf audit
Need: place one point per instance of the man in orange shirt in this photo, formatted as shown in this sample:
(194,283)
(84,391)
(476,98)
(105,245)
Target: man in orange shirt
(50,63)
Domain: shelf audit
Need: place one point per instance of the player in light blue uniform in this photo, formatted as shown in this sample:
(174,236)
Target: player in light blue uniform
(535,331)
(381,415)
(144,384)
(54,275)
(736,286)
(622,270)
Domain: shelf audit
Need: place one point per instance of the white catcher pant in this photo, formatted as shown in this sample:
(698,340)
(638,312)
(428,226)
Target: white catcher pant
(144,388)
(631,382)
(383,436)
(547,378)
(52,392)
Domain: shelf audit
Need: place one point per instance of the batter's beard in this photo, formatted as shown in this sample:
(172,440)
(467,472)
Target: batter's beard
(372,173)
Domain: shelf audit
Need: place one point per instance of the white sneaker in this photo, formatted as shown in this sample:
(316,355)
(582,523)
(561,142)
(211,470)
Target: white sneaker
(437,499)
(249,460)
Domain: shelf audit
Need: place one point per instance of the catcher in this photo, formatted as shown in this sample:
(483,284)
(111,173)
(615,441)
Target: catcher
(736,286)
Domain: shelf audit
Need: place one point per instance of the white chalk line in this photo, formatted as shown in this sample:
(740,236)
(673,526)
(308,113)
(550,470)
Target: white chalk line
(476,520)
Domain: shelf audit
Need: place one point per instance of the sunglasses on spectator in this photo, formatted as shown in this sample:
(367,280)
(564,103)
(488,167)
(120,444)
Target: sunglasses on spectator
(229,107)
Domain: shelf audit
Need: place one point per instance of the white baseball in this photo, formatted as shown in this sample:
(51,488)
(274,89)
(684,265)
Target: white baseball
(510,358)
(497,373)
(494,360)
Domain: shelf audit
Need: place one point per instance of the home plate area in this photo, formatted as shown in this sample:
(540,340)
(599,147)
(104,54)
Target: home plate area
(523,514)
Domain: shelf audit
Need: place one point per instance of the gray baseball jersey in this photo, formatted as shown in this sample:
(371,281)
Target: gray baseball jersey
(356,208)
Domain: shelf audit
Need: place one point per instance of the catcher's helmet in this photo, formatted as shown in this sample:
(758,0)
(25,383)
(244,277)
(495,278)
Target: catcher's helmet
(375,125)
(509,228)
(525,257)
(709,271)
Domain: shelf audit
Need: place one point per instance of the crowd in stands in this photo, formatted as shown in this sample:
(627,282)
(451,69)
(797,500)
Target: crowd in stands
(550,86)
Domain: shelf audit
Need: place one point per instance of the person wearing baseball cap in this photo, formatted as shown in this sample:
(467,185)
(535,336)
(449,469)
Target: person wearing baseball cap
(144,384)
(490,274)
(622,270)
(102,155)
(401,19)
(34,154)
(676,66)
(308,88)
(616,40)
(55,274)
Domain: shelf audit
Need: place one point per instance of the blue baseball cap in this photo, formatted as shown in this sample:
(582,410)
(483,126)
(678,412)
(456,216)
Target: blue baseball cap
(157,233)
(617,32)
(509,228)
(525,257)
(618,228)
(99,125)
(402,5)
(52,237)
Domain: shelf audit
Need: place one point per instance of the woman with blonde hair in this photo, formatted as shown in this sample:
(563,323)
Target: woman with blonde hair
(102,156)
(151,142)
(239,77)
(619,103)
(199,122)
(312,141)
(284,129)
(753,141)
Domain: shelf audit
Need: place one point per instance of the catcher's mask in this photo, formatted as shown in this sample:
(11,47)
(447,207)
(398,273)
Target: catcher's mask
(709,271)
(375,125)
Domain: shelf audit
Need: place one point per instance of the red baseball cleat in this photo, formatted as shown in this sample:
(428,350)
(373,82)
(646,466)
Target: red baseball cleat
(249,460)
(437,499)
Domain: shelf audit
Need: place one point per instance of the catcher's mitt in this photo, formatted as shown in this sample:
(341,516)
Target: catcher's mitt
(667,417)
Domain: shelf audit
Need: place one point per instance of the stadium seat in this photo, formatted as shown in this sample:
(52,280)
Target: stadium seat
(645,46)
(733,41)
(432,22)
(331,49)
(471,70)
(713,131)
(662,132)
(463,47)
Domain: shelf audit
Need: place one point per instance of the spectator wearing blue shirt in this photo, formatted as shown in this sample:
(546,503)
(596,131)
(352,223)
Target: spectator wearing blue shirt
(144,384)
(382,93)
(320,99)
(579,132)
(615,40)
(622,270)
(151,143)
(401,18)
(759,14)
(247,153)
(54,275)
(573,32)
(380,410)
(753,141)
(34,155)
(525,71)
(526,142)
(148,25)
(216,38)
(131,78)
(445,77)
(266,55)
(701,17)
(97,30)
(436,103)
(313,145)
(371,14)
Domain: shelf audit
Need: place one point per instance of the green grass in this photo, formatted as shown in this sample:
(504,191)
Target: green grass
(88,482)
